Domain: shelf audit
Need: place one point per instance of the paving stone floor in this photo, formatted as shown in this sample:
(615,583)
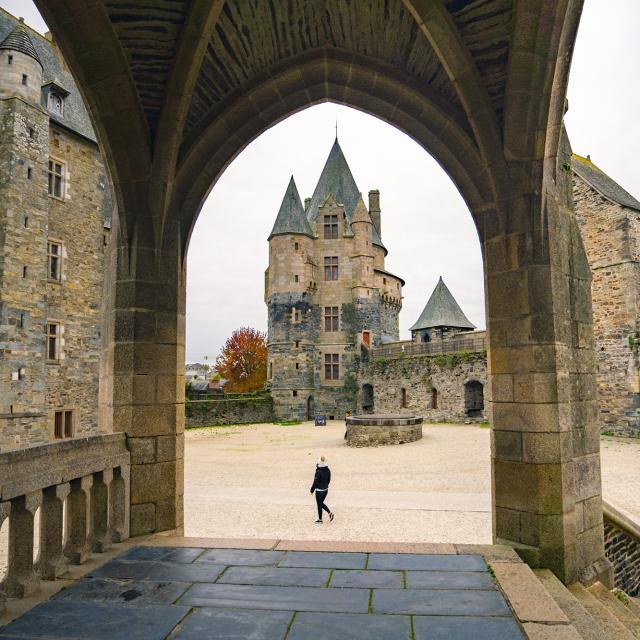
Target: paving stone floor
(153,593)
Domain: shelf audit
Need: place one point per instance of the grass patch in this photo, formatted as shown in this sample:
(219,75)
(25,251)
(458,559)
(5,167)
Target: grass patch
(287,423)
(622,596)
(485,425)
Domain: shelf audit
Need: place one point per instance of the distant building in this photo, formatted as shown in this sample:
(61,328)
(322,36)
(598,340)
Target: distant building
(329,296)
(55,218)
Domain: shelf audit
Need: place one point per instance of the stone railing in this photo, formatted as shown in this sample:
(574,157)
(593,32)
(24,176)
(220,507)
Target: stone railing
(622,548)
(83,482)
(411,348)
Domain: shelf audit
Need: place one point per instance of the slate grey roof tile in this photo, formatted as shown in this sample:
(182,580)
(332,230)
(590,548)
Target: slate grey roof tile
(442,310)
(291,217)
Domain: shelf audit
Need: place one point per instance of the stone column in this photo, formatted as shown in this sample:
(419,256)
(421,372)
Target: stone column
(21,579)
(545,437)
(119,497)
(5,510)
(51,562)
(77,548)
(148,383)
(99,532)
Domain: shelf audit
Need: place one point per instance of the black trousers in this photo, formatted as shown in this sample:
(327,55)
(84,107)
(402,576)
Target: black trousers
(321,496)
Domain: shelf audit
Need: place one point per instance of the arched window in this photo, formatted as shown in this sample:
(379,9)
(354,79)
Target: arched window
(434,398)
(55,103)
(404,398)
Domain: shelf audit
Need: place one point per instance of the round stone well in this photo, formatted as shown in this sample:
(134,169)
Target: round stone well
(373,430)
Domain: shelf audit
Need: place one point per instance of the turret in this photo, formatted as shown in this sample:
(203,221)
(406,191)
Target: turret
(362,258)
(21,67)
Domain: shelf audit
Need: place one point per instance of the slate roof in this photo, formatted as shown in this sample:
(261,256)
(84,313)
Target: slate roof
(602,183)
(442,310)
(76,116)
(291,217)
(336,179)
(19,40)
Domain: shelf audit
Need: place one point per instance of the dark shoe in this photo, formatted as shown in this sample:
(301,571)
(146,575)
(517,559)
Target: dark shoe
(318,521)
(331,517)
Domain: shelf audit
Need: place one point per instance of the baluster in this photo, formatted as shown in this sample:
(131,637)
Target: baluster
(99,533)
(22,580)
(51,562)
(5,510)
(77,548)
(119,504)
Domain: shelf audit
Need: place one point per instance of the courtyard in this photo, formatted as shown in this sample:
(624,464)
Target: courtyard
(252,481)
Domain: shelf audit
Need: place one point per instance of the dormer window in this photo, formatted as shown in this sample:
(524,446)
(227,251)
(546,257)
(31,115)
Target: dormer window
(55,103)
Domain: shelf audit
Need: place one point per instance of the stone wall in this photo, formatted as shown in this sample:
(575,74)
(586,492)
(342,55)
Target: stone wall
(238,409)
(424,378)
(622,548)
(611,239)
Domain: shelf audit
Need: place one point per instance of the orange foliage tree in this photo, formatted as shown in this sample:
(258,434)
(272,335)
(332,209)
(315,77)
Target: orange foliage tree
(243,360)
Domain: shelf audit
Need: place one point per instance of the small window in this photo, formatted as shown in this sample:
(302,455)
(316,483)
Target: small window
(63,425)
(56,179)
(297,343)
(54,251)
(53,341)
(384,281)
(9,59)
(331,319)
(22,373)
(295,393)
(296,279)
(296,315)
(331,268)
(297,366)
(26,221)
(32,133)
(55,103)
(296,246)
(404,398)
(25,78)
(22,320)
(29,173)
(434,398)
(25,271)
(330,227)
(332,366)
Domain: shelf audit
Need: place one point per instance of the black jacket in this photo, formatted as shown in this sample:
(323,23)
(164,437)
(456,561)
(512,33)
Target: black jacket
(322,479)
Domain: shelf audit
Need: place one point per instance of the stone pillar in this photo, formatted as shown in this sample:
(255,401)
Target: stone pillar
(5,510)
(51,562)
(119,497)
(99,532)
(77,548)
(21,579)
(148,383)
(545,438)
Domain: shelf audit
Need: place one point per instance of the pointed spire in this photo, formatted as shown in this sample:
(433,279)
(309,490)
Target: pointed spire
(442,310)
(336,178)
(19,40)
(361,214)
(291,218)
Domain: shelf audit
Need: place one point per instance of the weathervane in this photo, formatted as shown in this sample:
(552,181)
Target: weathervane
(336,131)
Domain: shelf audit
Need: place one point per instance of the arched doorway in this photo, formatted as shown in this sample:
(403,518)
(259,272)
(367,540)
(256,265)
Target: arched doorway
(367,398)
(473,399)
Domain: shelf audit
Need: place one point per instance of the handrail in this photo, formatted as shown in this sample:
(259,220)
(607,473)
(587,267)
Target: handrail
(411,348)
(621,520)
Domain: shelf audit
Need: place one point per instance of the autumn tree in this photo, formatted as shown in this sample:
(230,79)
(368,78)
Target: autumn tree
(243,360)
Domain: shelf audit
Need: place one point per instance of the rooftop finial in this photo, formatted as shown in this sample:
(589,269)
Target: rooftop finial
(336,131)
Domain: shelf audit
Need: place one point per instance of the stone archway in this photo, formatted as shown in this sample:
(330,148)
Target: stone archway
(473,399)
(175,96)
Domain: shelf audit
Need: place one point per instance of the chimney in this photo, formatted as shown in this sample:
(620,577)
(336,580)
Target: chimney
(307,202)
(374,210)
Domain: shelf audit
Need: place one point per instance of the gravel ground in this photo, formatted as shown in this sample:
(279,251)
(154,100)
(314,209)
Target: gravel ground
(253,482)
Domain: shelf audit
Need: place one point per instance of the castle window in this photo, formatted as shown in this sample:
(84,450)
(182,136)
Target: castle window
(296,315)
(9,59)
(295,393)
(29,173)
(332,366)
(26,221)
(384,281)
(54,253)
(404,398)
(296,278)
(25,272)
(25,78)
(330,227)
(55,103)
(297,343)
(434,398)
(331,268)
(54,331)
(297,365)
(331,319)
(32,133)
(56,178)
(63,424)
(296,246)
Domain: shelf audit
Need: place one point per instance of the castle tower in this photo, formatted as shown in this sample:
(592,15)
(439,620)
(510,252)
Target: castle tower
(441,317)
(322,325)
(23,240)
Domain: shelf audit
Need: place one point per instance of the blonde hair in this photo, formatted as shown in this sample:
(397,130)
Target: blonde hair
(322,459)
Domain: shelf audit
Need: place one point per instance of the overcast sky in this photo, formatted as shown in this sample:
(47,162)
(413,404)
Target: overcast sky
(425,223)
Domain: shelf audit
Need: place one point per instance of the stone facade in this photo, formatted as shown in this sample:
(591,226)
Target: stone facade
(54,235)
(435,387)
(328,295)
(611,236)
(247,409)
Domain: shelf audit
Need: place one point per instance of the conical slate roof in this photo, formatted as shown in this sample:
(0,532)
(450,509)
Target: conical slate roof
(19,40)
(291,217)
(602,183)
(442,310)
(336,178)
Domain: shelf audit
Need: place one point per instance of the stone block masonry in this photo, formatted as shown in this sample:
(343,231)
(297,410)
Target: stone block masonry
(240,409)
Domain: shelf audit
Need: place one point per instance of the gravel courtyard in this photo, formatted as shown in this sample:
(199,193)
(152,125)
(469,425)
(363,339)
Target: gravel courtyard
(253,481)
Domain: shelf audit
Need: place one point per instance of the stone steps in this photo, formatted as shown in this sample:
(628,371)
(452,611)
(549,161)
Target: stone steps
(621,611)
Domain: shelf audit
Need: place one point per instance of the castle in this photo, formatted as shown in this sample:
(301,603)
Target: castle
(55,218)
(329,298)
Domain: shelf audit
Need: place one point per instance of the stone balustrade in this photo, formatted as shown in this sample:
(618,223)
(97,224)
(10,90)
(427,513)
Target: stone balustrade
(81,487)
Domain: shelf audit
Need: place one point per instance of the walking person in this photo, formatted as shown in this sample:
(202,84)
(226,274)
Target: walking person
(320,485)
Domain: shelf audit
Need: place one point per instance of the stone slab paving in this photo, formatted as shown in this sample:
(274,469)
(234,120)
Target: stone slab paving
(185,593)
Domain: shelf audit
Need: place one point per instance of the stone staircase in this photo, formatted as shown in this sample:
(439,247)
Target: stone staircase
(595,612)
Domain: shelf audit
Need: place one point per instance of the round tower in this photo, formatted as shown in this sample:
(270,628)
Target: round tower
(21,72)
(363,254)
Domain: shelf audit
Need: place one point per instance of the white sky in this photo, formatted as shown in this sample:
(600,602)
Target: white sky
(425,223)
